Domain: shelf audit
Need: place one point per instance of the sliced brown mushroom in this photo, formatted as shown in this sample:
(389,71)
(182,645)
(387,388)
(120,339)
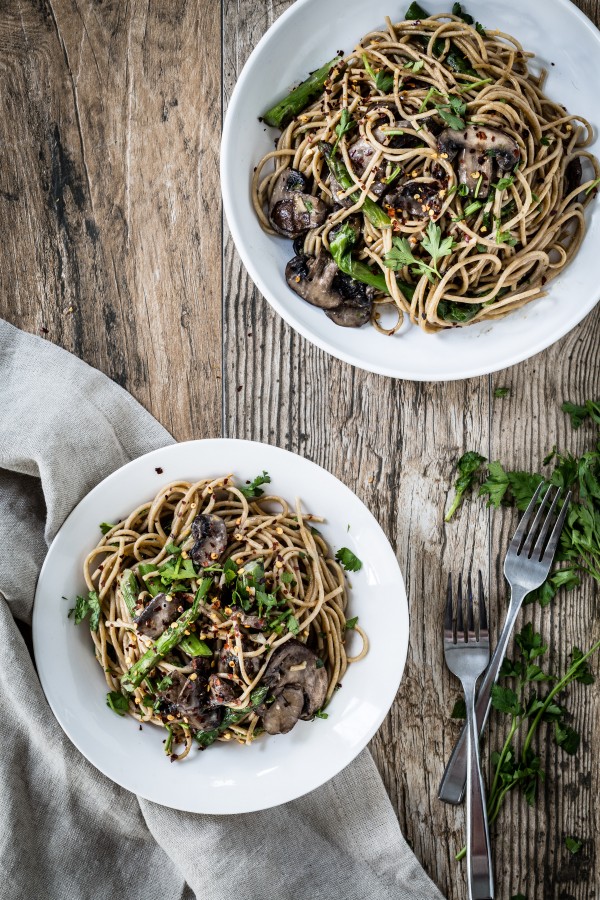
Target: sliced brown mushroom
(210,535)
(479,146)
(293,670)
(158,615)
(229,661)
(573,175)
(357,302)
(221,690)
(418,199)
(361,153)
(253,623)
(189,698)
(285,711)
(292,210)
(319,281)
(312,278)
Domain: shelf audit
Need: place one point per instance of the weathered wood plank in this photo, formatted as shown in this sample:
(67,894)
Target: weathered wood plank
(525,426)
(395,445)
(109,195)
(110,212)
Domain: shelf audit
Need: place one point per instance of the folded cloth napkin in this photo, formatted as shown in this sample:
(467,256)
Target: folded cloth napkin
(66,831)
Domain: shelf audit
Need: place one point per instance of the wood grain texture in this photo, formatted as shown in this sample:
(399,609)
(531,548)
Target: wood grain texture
(109,193)
(110,214)
(395,445)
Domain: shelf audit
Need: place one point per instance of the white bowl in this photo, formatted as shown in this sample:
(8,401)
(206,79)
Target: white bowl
(302,39)
(225,778)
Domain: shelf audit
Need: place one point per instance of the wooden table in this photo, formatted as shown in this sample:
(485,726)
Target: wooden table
(114,246)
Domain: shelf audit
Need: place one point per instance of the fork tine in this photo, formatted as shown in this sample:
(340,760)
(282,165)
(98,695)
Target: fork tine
(553,542)
(470,619)
(515,544)
(449,614)
(528,543)
(460,627)
(538,549)
(483,623)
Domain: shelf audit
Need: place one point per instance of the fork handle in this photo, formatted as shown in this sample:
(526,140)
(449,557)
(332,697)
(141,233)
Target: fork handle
(479,861)
(454,779)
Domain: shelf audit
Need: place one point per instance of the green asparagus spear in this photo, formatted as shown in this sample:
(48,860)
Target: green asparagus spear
(284,111)
(341,245)
(231,717)
(130,590)
(372,211)
(455,60)
(193,646)
(166,642)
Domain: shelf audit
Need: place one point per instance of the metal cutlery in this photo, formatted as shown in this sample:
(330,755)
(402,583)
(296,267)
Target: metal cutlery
(526,567)
(467,653)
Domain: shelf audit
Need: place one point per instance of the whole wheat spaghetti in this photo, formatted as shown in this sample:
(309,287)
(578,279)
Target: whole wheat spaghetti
(217,612)
(433,176)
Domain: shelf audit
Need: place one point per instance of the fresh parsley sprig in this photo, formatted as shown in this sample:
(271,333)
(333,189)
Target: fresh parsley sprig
(522,699)
(253,488)
(433,243)
(84,607)
(383,80)
(348,560)
(345,125)
(469,465)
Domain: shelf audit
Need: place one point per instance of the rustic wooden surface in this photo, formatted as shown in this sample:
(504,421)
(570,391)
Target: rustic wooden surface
(112,237)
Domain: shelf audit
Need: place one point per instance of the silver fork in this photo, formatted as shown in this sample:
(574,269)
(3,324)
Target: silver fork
(467,655)
(526,567)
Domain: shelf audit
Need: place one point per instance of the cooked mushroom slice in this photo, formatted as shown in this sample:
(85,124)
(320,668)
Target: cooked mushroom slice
(210,536)
(229,661)
(291,210)
(357,302)
(312,278)
(188,698)
(254,623)
(361,152)
(158,615)
(202,666)
(352,314)
(284,712)
(294,666)
(479,147)
(319,281)
(573,175)
(419,199)
(221,690)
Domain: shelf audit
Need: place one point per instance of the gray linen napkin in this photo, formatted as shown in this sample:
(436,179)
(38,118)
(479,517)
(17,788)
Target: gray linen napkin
(66,831)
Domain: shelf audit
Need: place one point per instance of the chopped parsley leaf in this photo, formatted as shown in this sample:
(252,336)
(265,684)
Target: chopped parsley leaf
(84,607)
(117,702)
(253,489)
(348,560)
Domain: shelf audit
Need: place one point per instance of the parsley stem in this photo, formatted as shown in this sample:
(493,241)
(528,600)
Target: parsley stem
(514,727)
(474,84)
(564,681)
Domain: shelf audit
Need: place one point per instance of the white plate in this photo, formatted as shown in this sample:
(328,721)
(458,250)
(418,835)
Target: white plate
(308,34)
(226,778)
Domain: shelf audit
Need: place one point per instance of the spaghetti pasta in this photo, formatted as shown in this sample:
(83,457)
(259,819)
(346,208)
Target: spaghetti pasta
(260,578)
(458,190)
